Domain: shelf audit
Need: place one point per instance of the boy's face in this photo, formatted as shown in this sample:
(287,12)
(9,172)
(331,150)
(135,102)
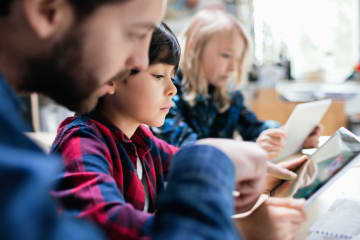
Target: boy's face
(145,98)
(84,55)
(221,57)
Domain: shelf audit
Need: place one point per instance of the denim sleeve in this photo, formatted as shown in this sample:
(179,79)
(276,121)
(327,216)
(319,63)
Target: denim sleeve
(198,201)
(27,209)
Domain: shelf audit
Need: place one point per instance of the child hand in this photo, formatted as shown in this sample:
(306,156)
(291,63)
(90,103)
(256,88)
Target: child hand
(272,141)
(276,219)
(312,141)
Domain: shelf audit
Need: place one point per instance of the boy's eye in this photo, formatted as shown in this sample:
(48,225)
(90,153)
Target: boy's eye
(225,55)
(158,76)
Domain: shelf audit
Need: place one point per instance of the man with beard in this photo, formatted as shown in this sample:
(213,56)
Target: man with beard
(69,50)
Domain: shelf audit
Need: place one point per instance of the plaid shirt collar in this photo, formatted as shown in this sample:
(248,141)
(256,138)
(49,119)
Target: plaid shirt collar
(140,138)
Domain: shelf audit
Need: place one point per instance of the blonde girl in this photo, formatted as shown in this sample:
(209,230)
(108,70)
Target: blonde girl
(216,60)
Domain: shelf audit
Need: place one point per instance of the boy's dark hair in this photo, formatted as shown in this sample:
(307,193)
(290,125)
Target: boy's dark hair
(164,47)
(82,7)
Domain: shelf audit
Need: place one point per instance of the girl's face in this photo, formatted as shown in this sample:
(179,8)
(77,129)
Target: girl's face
(221,57)
(145,98)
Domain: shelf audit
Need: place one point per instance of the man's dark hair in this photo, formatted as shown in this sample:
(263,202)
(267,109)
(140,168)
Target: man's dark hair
(82,7)
(164,47)
(4,7)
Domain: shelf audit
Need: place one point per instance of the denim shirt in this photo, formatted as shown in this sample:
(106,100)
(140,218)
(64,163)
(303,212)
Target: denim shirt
(11,122)
(26,175)
(198,202)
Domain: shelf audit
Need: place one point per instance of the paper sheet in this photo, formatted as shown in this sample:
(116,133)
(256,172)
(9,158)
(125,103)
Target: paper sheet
(342,221)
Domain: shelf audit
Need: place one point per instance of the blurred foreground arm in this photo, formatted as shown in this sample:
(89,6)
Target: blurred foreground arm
(198,201)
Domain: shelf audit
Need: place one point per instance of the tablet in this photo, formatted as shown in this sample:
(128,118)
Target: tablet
(302,121)
(331,160)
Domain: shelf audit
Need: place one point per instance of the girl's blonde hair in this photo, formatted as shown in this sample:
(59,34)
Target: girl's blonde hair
(203,27)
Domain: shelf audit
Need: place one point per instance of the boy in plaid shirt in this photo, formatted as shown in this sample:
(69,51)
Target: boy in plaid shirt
(114,167)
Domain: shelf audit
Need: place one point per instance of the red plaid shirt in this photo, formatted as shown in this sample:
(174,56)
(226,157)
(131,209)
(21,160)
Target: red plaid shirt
(100,178)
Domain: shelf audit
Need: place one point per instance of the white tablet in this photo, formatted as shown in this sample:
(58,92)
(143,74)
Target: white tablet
(333,159)
(302,121)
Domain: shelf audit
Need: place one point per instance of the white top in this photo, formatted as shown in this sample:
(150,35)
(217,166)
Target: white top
(139,172)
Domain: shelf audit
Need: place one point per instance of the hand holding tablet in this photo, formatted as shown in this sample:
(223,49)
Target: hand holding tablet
(302,121)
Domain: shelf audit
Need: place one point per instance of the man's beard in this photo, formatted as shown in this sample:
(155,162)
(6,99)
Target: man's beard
(62,76)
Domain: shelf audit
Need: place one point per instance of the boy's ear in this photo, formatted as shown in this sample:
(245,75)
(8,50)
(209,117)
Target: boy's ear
(47,17)
(112,87)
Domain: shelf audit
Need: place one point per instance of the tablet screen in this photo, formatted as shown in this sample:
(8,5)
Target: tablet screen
(331,159)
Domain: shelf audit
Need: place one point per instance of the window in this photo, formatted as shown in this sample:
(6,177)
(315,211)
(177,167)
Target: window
(317,36)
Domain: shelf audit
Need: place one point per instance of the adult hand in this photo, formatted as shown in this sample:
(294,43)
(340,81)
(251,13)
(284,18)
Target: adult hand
(273,180)
(276,219)
(312,141)
(272,141)
(250,169)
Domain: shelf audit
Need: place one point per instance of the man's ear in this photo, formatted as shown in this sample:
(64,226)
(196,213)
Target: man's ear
(46,17)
